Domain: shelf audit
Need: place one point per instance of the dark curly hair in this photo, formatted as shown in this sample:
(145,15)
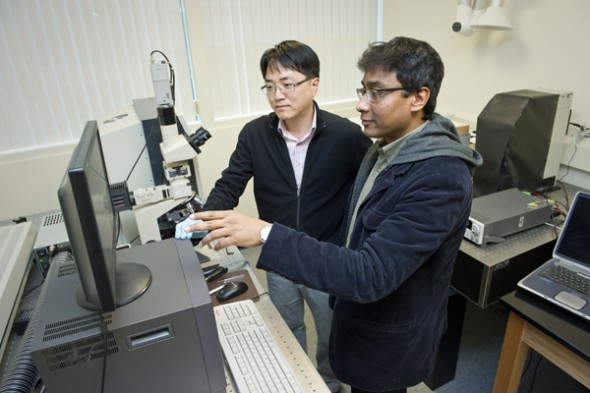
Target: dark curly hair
(415,63)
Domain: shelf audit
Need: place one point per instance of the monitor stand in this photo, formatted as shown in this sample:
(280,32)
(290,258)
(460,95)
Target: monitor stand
(132,280)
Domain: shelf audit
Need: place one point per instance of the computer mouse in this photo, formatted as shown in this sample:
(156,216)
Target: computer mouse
(231,290)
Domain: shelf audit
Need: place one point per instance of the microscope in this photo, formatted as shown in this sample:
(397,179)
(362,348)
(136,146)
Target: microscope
(151,161)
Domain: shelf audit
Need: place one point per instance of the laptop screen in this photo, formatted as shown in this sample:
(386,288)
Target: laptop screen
(574,242)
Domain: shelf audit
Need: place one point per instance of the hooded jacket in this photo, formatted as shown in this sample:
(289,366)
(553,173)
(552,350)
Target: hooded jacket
(390,285)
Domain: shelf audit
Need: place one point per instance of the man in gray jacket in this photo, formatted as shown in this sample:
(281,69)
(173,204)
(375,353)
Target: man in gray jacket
(408,214)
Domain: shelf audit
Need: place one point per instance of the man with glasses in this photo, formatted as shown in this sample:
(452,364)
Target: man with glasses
(408,214)
(303,161)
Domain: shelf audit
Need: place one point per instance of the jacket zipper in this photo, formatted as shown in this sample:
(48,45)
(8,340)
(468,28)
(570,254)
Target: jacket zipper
(298,207)
(298,211)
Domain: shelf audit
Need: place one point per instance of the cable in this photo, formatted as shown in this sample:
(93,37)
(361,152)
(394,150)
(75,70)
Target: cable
(104,335)
(172,77)
(547,198)
(37,285)
(52,254)
(151,134)
(565,194)
(529,358)
(119,224)
(535,374)
(134,239)
(189,199)
(142,150)
(567,166)
(22,374)
(575,143)
(161,53)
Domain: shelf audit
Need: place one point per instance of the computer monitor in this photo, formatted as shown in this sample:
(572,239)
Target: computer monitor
(121,332)
(91,224)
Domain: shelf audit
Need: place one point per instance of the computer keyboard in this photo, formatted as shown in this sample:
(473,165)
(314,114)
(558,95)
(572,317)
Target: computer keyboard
(255,360)
(568,278)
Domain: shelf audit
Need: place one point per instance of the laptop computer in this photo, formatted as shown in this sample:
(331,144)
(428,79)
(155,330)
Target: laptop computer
(571,258)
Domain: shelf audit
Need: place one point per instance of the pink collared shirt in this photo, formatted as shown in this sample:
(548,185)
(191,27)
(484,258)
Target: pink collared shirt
(297,148)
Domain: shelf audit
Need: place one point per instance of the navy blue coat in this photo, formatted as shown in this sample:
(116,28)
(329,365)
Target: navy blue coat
(390,287)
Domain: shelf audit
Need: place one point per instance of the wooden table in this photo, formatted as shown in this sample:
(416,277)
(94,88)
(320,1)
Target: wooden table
(556,335)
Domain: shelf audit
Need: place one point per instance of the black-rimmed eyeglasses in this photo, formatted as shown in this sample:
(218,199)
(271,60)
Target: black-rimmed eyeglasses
(284,88)
(375,94)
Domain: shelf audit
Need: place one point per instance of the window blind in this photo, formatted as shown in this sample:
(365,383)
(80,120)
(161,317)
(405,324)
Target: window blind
(67,62)
(236,33)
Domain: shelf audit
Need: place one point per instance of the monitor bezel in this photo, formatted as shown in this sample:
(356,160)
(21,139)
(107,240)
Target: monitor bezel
(94,254)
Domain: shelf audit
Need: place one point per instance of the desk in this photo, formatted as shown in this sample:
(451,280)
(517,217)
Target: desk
(295,356)
(555,334)
(305,371)
(483,274)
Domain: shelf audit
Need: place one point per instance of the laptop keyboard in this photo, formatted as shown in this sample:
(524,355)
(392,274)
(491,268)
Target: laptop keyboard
(568,278)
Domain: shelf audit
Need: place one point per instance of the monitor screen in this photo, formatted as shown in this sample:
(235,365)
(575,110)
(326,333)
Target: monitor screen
(85,200)
(573,241)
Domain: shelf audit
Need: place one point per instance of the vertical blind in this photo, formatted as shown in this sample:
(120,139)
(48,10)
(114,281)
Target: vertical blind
(66,62)
(236,33)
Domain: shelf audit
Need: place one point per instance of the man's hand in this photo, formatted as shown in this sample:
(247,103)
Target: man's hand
(230,227)
(180,233)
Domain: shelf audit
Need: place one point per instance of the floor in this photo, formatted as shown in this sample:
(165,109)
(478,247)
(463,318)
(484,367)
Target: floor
(481,343)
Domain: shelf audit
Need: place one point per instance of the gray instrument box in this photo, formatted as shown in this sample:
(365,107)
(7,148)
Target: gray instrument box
(163,341)
(495,216)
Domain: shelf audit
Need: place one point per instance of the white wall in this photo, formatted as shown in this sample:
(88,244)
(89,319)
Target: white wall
(548,48)
(30,180)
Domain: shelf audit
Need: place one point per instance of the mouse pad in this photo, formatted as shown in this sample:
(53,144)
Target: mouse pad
(251,293)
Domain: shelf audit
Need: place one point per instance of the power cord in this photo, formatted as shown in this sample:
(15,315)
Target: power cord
(529,359)
(535,374)
(104,335)
(53,250)
(566,206)
(583,133)
(141,152)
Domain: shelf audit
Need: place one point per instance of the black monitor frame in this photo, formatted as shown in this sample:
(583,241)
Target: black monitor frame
(92,227)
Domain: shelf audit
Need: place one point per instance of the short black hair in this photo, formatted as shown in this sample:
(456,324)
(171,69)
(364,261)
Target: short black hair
(415,63)
(293,55)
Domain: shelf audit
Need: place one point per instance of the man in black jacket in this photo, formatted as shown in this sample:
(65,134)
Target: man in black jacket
(303,161)
(408,214)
